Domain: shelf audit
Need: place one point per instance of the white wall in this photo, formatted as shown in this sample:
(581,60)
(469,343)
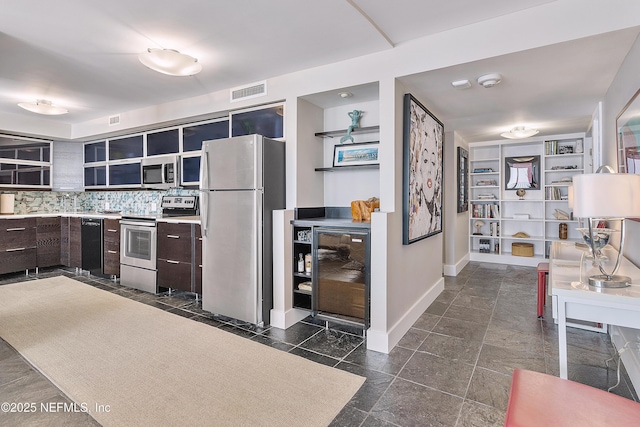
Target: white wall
(624,86)
(456,225)
(341,187)
(413,273)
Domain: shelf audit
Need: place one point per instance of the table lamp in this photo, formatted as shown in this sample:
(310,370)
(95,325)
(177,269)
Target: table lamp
(605,195)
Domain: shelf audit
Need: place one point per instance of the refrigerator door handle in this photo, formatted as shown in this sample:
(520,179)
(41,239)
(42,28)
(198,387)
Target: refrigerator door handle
(204,212)
(204,185)
(204,168)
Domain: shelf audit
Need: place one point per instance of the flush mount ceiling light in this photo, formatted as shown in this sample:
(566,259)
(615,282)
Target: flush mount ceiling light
(345,94)
(42,106)
(489,80)
(519,132)
(171,62)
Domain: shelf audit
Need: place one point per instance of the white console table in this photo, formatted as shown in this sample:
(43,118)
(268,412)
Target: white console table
(620,308)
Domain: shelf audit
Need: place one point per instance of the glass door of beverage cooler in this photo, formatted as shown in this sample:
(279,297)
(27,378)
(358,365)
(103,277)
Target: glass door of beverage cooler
(341,274)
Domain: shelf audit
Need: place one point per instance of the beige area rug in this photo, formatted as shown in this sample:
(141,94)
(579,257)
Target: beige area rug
(158,369)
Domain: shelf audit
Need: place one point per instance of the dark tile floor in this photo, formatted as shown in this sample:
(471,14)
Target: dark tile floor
(453,368)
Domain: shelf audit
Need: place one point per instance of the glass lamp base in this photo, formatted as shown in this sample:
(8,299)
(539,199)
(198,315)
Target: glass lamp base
(604,281)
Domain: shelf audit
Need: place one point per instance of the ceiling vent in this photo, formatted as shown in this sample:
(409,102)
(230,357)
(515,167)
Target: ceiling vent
(253,90)
(114,120)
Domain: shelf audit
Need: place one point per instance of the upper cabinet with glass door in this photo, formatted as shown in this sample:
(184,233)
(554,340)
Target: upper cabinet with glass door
(25,164)
(266,121)
(192,139)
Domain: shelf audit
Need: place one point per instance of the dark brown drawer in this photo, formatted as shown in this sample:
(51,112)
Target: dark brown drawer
(17,260)
(17,233)
(174,275)
(111,233)
(174,242)
(111,261)
(7,224)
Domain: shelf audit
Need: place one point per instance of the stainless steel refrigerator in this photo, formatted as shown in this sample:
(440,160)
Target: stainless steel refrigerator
(242,180)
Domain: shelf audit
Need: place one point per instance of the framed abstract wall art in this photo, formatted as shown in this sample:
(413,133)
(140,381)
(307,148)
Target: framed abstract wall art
(423,144)
(463,180)
(522,172)
(355,154)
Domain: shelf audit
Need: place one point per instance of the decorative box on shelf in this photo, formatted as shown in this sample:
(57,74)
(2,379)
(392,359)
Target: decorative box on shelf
(522,249)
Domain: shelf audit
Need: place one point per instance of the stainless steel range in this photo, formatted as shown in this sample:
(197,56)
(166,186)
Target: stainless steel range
(138,263)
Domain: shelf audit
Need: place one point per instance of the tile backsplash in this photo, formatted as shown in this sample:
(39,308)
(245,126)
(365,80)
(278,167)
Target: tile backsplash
(91,201)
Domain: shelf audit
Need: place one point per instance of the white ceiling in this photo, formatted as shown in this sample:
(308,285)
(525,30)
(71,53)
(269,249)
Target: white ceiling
(83,55)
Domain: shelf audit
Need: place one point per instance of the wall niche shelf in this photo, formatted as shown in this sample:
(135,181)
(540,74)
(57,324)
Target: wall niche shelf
(341,133)
(345,168)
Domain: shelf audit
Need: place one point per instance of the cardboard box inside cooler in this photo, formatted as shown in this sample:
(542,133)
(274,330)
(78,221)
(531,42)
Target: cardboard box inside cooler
(341,297)
(522,249)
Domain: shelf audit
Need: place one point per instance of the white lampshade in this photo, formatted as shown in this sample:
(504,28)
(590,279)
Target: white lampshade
(570,197)
(606,195)
(171,62)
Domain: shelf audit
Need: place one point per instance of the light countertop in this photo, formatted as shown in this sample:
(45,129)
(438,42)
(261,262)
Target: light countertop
(183,219)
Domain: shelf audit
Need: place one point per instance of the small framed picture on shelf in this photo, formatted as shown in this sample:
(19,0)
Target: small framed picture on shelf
(355,154)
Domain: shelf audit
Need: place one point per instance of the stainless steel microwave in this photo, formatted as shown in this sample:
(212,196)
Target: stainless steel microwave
(161,172)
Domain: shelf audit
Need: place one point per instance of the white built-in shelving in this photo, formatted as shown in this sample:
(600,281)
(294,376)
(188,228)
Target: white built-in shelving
(501,216)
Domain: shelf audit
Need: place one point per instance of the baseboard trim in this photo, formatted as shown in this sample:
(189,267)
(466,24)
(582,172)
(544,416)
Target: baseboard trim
(284,319)
(453,270)
(384,342)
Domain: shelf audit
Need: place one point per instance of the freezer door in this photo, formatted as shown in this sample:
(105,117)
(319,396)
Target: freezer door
(232,163)
(232,262)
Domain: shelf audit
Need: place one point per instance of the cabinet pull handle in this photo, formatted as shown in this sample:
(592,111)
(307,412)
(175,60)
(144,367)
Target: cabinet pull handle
(173,262)
(112,252)
(16,229)
(112,230)
(15,249)
(173,236)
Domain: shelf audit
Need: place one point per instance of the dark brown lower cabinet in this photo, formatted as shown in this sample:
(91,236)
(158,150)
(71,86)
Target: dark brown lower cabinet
(64,241)
(111,252)
(174,274)
(197,247)
(48,236)
(71,242)
(17,244)
(179,247)
(75,242)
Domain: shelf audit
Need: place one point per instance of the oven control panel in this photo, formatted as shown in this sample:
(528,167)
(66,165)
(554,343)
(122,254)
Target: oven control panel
(179,202)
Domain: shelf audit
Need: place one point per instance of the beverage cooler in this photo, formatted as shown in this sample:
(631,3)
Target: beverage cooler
(341,274)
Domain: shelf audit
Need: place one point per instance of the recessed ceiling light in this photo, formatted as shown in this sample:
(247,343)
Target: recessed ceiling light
(519,132)
(489,80)
(345,94)
(461,84)
(42,106)
(171,62)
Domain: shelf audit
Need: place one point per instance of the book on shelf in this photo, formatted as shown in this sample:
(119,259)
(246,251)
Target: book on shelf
(485,210)
(482,170)
(484,246)
(486,182)
(554,193)
(486,197)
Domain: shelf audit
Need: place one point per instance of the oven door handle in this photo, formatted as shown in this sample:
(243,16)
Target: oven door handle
(147,224)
